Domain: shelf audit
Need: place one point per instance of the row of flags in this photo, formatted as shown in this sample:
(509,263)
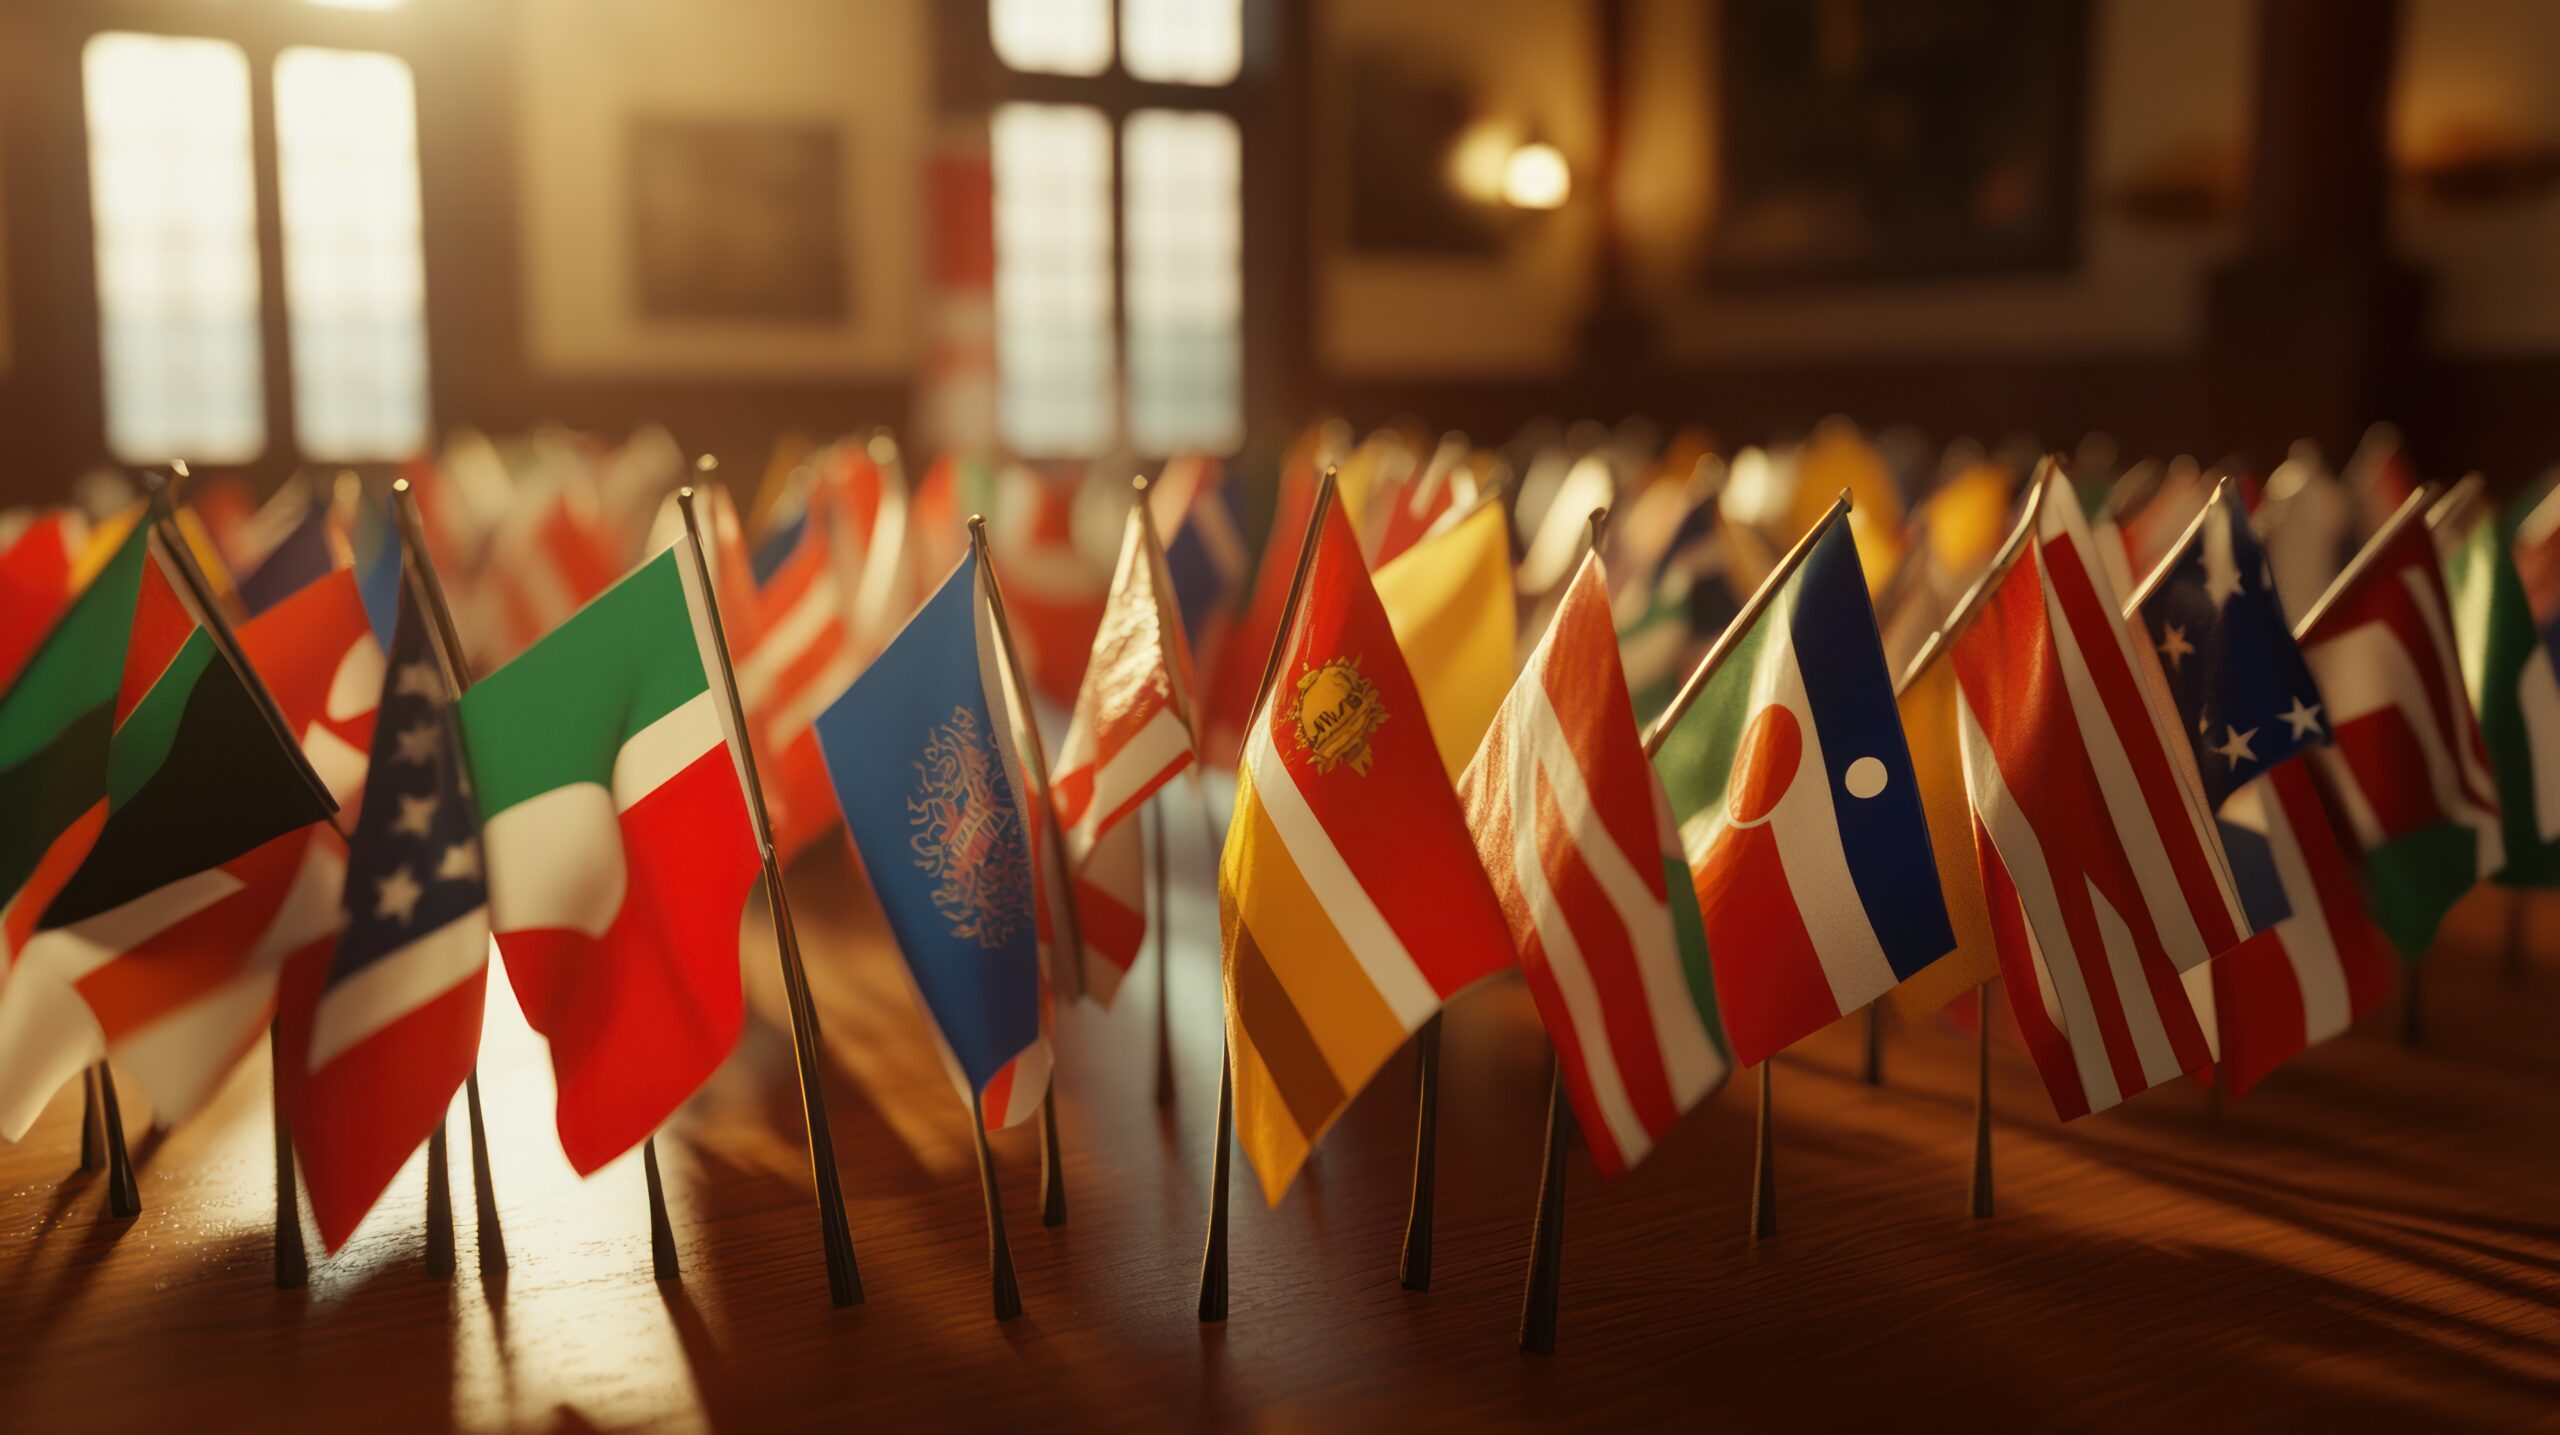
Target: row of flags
(1934,748)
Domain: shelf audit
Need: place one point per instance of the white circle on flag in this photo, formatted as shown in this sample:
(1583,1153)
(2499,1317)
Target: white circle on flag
(1865,777)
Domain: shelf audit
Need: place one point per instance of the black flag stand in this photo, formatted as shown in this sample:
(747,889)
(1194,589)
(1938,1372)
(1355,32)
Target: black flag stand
(428,592)
(844,1276)
(1213,1260)
(124,1196)
(1414,1273)
(1980,1201)
(439,1205)
(663,1262)
(1874,1072)
(93,1134)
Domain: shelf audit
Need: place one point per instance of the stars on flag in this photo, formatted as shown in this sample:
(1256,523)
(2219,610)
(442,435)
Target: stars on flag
(418,680)
(417,815)
(460,863)
(2235,745)
(396,896)
(2174,644)
(2303,719)
(418,742)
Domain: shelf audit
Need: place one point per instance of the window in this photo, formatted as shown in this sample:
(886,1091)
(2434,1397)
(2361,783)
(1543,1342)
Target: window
(1123,153)
(1188,42)
(354,282)
(1186,282)
(1053,278)
(174,204)
(183,327)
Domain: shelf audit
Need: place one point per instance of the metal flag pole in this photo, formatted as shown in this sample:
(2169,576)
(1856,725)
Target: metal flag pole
(844,1276)
(1213,1260)
(1158,813)
(1546,1227)
(663,1261)
(1069,936)
(1413,1271)
(292,1265)
(1980,1197)
(1007,1292)
(1873,1072)
(427,591)
(1764,1180)
(93,1154)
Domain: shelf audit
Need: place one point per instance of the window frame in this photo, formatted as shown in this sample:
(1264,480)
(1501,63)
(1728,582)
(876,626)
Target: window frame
(1266,103)
(55,384)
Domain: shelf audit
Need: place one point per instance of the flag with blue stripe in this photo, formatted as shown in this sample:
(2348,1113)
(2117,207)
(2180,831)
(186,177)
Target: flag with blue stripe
(921,753)
(2245,696)
(1800,813)
(1207,560)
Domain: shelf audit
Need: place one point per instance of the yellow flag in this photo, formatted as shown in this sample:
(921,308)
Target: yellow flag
(1449,600)
(1968,518)
(1837,456)
(1929,723)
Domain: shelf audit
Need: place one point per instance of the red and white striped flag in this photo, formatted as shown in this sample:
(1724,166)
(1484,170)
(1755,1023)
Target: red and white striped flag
(2103,874)
(1131,734)
(1576,833)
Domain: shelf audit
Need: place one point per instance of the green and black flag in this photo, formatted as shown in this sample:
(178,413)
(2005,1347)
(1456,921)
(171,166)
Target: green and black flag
(133,752)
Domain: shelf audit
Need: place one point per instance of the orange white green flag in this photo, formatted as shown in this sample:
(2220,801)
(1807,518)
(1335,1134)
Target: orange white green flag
(1352,905)
(1576,833)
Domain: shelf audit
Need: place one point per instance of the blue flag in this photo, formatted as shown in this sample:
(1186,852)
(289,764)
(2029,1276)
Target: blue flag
(1207,559)
(920,751)
(307,553)
(2244,693)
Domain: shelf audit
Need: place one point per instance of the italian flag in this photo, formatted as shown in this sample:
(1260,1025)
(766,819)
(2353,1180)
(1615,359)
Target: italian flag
(618,851)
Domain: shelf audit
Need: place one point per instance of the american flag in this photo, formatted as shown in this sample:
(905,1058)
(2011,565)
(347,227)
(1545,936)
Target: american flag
(373,1049)
(2243,691)
(1131,734)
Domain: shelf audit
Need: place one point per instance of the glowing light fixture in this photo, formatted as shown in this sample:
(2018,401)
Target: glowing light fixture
(1535,176)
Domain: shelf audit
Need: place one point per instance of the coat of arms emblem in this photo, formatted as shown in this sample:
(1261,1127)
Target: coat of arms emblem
(968,835)
(1337,709)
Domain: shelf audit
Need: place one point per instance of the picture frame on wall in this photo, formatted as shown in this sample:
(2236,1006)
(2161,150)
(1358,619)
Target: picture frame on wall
(738,220)
(1879,141)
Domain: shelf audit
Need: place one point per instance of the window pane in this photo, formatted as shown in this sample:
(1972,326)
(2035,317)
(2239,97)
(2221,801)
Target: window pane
(1053,278)
(175,211)
(1055,37)
(1187,42)
(354,281)
(1186,283)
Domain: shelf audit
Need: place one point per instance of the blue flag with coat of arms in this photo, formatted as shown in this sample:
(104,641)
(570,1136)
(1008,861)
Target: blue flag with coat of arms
(921,751)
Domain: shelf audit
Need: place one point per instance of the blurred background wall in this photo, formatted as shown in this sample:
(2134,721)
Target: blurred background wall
(2202,225)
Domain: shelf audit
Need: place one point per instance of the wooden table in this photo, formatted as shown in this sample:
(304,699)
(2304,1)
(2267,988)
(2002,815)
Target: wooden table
(2372,1238)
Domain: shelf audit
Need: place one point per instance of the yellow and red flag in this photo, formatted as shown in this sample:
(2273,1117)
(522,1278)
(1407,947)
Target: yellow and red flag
(1352,904)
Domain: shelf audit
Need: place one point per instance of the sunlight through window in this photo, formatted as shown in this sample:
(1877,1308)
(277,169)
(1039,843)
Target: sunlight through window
(174,207)
(1054,349)
(1186,282)
(354,277)
(1183,42)
(1052,37)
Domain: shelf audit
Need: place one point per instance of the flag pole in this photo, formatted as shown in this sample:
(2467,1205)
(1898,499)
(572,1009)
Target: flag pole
(418,571)
(1156,815)
(1546,1226)
(124,1196)
(1157,812)
(93,1154)
(1936,645)
(1764,1177)
(844,1275)
(1213,1260)
(1981,1193)
(663,1261)
(1008,1293)
(1874,1072)
(291,1266)
(1414,1271)
(1546,1230)
(1069,936)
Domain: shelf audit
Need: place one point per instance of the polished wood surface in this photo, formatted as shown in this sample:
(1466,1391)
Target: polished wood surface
(2370,1239)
